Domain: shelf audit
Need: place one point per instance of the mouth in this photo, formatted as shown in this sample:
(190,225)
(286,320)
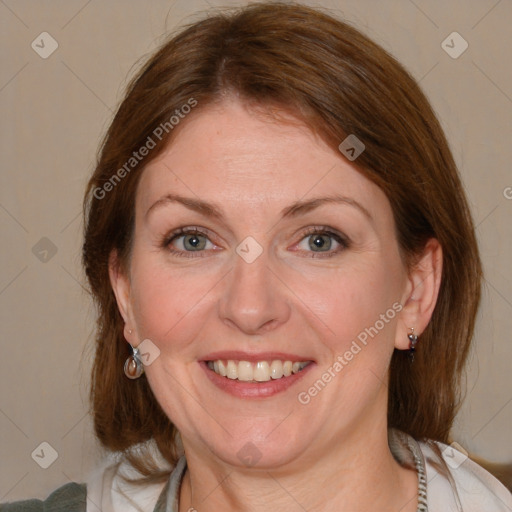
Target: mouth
(255,375)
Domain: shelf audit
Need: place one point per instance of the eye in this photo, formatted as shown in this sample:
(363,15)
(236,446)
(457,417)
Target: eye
(188,240)
(322,241)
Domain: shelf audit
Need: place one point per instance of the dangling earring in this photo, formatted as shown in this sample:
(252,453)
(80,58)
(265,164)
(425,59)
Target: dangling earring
(133,367)
(413,339)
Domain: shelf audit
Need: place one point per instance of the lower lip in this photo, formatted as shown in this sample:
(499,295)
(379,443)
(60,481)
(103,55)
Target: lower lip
(242,389)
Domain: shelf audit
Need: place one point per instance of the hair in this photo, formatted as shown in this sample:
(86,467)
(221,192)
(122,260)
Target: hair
(338,82)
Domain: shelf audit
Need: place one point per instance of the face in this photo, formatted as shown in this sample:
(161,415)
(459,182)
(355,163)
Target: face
(256,246)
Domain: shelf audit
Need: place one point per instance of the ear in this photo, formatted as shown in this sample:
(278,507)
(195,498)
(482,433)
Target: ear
(420,294)
(120,282)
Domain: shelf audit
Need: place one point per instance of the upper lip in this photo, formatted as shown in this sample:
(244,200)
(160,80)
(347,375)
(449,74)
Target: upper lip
(238,355)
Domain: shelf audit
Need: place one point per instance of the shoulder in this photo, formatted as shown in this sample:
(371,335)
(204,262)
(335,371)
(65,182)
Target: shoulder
(113,486)
(455,482)
(68,498)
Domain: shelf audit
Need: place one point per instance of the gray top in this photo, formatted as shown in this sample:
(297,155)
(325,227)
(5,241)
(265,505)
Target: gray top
(171,491)
(68,498)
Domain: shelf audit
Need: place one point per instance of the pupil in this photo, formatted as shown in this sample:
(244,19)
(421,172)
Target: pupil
(193,241)
(320,242)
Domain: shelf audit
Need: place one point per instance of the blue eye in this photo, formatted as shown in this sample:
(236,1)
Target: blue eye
(188,241)
(322,241)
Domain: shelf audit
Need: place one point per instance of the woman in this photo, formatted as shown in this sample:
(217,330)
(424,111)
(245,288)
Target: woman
(287,279)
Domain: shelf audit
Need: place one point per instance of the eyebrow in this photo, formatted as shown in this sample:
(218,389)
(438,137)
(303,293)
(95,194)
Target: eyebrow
(214,211)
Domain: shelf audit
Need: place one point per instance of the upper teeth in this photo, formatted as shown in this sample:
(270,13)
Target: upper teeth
(259,371)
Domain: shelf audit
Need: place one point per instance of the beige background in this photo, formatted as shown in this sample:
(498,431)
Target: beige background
(53,114)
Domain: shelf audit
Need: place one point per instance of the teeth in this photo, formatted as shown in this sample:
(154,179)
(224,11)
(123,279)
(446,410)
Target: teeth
(276,369)
(231,370)
(261,371)
(222,368)
(245,371)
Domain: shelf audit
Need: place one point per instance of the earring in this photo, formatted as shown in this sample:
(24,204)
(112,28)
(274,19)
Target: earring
(133,367)
(413,339)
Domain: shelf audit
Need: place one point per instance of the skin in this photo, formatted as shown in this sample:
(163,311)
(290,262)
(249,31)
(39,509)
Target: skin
(292,298)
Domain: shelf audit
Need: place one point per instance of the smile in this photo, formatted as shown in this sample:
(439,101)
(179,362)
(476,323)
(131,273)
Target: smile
(257,371)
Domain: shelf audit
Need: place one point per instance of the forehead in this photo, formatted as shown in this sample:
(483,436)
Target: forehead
(233,155)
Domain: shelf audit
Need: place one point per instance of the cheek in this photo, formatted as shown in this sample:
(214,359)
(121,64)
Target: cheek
(169,306)
(359,298)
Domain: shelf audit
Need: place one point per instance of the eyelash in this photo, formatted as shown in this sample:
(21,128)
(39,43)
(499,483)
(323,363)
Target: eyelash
(316,230)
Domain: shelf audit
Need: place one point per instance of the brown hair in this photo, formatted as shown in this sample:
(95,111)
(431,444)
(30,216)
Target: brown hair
(339,82)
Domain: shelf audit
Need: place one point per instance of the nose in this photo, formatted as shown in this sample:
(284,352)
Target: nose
(253,300)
